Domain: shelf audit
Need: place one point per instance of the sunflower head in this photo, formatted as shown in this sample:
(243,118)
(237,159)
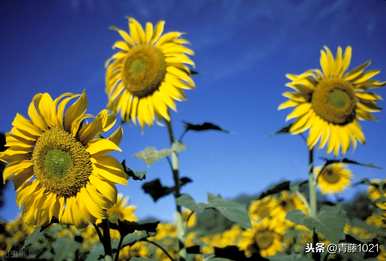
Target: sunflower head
(377,192)
(59,161)
(148,73)
(262,208)
(265,237)
(121,211)
(288,201)
(330,102)
(333,178)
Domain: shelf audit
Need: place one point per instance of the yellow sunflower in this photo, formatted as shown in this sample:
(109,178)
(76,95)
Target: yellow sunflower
(377,192)
(266,237)
(121,210)
(262,208)
(59,163)
(333,178)
(288,201)
(330,102)
(148,73)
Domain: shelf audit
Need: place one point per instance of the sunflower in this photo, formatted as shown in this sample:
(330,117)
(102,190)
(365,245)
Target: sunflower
(58,161)
(148,73)
(288,201)
(265,237)
(330,102)
(262,208)
(333,178)
(377,192)
(121,211)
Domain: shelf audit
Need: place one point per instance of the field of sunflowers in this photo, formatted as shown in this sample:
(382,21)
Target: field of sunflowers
(60,159)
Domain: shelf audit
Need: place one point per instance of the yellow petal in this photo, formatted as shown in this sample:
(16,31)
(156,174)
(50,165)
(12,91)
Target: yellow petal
(47,109)
(34,114)
(106,188)
(75,110)
(116,136)
(158,31)
(136,31)
(298,111)
(102,146)
(16,168)
(346,59)
(91,206)
(149,32)
(26,125)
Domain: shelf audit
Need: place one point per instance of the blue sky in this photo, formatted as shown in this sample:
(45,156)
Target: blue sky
(243,51)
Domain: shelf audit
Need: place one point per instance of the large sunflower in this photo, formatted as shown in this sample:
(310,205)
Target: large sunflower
(262,208)
(333,178)
(148,73)
(59,163)
(331,102)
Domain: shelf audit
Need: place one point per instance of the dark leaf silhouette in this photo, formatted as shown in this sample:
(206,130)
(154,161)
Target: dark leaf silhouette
(349,161)
(285,185)
(136,175)
(284,130)
(156,190)
(233,253)
(205,126)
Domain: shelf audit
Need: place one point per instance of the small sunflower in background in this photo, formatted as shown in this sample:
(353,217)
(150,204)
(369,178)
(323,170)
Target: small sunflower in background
(377,192)
(59,163)
(121,210)
(262,208)
(288,201)
(148,73)
(330,102)
(333,178)
(266,237)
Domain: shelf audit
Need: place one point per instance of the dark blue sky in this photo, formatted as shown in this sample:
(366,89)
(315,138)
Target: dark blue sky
(243,51)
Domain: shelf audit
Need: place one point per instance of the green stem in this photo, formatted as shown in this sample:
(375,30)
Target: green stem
(177,192)
(119,248)
(174,165)
(160,247)
(312,183)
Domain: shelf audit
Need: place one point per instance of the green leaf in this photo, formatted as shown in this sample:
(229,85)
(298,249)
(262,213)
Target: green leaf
(186,201)
(65,248)
(218,259)
(141,259)
(151,154)
(232,210)
(131,238)
(292,257)
(329,222)
(96,253)
(136,175)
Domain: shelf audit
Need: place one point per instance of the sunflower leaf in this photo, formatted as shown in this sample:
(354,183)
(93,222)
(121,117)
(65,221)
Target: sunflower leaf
(151,154)
(329,222)
(199,127)
(285,185)
(135,175)
(65,248)
(132,238)
(349,161)
(157,190)
(285,129)
(232,210)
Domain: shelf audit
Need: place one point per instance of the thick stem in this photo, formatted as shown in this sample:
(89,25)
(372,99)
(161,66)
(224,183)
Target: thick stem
(174,164)
(107,238)
(312,183)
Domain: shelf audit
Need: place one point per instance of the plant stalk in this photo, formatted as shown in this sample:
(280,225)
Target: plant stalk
(312,183)
(174,160)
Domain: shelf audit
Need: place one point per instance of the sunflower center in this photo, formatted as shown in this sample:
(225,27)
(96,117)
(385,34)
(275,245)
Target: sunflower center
(330,177)
(264,239)
(334,101)
(144,70)
(61,163)
(57,162)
